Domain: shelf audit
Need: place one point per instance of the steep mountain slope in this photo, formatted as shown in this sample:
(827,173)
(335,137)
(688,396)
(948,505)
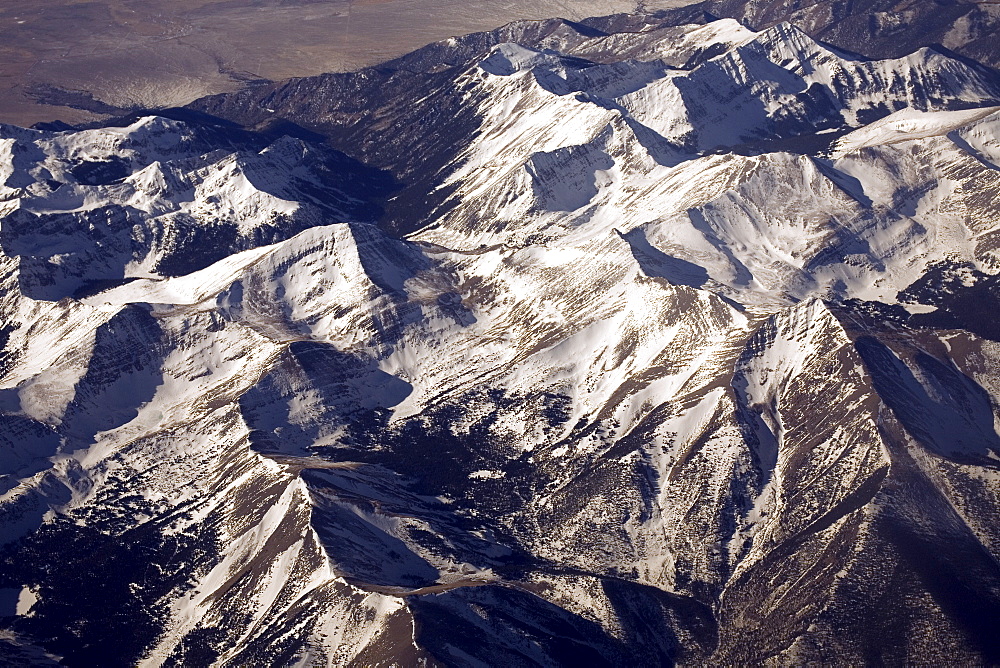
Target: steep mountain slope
(680,359)
(879,28)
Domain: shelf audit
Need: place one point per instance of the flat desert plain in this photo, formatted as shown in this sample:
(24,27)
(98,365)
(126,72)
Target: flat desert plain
(78,60)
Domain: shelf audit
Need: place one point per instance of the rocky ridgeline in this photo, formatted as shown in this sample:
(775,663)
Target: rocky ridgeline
(619,343)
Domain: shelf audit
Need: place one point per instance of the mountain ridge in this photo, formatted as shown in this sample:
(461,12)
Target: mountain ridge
(552,378)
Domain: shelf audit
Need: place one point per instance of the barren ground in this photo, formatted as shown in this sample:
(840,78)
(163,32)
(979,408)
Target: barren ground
(76,59)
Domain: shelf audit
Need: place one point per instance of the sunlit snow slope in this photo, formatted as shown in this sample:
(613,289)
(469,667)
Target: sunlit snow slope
(616,344)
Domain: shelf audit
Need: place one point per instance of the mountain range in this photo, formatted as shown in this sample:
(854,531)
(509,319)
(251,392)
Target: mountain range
(630,341)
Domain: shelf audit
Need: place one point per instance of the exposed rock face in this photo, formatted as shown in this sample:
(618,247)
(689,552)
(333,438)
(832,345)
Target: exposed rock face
(665,348)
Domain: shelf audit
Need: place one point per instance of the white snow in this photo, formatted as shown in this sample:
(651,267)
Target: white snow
(908,125)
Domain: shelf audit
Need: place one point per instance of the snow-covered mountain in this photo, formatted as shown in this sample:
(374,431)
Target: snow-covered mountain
(877,28)
(612,344)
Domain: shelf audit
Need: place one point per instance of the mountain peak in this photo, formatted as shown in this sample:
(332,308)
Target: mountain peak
(617,343)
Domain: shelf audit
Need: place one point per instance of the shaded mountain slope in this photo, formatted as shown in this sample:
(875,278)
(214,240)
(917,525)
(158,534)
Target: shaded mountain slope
(625,348)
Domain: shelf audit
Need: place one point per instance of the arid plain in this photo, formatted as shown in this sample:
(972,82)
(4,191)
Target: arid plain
(76,60)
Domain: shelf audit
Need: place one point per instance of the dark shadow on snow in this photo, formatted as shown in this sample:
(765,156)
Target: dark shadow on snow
(656,263)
